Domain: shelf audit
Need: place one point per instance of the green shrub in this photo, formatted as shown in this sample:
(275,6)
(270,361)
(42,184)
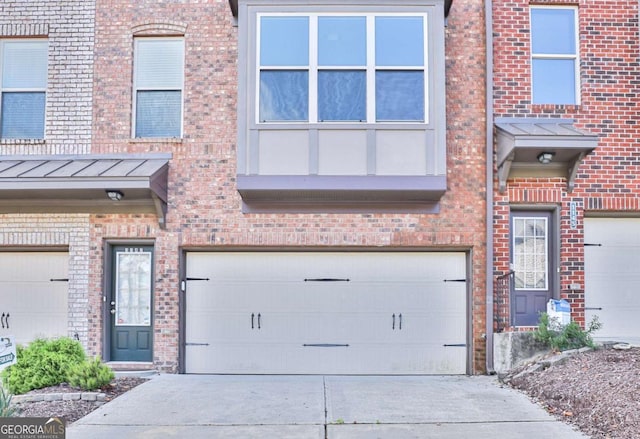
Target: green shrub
(90,375)
(6,409)
(571,336)
(42,363)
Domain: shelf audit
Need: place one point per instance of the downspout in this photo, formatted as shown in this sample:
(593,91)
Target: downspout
(488,23)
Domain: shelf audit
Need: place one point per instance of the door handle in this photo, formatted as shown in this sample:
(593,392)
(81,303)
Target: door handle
(2,320)
(252,317)
(6,319)
(259,320)
(393,322)
(400,323)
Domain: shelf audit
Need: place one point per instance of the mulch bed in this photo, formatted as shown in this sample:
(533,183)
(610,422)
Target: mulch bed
(597,391)
(71,411)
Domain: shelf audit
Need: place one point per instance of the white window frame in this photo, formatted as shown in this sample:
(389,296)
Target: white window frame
(136,88)
(370,67)
(575,57)
(547,271)
(3,42)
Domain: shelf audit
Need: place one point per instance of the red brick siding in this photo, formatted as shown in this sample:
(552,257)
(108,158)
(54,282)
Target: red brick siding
(609,82)
(204,205)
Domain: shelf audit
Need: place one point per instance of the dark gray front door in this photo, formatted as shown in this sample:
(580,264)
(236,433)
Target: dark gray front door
(531,256)
(131,303)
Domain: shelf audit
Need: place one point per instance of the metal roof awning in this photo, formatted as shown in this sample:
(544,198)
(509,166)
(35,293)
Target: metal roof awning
(233,4)
(536,147)
(79,184)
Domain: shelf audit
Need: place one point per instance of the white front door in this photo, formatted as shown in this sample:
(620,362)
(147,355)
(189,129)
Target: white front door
(612,276)
(33,294)
(333,313)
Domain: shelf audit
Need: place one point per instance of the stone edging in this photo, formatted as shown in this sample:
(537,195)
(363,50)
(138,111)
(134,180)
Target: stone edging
(64,396)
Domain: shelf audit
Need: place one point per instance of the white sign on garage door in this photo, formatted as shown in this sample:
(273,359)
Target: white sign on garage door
(612,276)
(31,303)
(326,313)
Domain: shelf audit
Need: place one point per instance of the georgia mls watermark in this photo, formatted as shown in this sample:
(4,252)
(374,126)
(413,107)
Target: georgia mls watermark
(32,428)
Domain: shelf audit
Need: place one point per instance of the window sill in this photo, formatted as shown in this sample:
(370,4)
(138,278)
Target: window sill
(156,140)
(22,141)
(555,108)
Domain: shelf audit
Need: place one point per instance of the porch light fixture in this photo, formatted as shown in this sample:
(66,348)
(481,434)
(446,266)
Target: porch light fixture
(114,195)
(546,157)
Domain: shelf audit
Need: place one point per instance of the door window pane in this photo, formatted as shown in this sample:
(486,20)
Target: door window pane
(399,96)
(22,115)
(284,41)
(158,113)
(530,256)
(342,41)
(342,95)
(133,289)
(399,41)
(284,95)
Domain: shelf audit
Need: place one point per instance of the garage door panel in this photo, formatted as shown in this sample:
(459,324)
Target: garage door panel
(331,296)
(612,276)
(360,300)
(37,306)
(355,359)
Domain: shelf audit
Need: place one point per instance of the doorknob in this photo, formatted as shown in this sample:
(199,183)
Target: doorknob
(113,303)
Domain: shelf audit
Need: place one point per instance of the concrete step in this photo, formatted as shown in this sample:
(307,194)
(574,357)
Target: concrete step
(132,369)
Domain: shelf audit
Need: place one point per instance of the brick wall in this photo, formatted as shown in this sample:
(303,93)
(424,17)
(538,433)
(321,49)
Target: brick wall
(609,79)
(68,27)
(204,206)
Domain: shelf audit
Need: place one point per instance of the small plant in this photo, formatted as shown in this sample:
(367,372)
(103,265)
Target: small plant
(340,421)
(6,409)
(90,375)
(571,336)
(42,363)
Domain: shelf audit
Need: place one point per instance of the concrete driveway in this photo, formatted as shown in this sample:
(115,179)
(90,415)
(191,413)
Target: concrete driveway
(319,407)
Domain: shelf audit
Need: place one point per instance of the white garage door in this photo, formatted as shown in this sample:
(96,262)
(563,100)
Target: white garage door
(326,313)
(31,304)
(612,276)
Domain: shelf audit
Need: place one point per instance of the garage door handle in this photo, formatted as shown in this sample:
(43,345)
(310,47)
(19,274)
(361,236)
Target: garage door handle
(393,321)
(455,345)
(593,309)
(327,279)
(2,320)
(5,320)
(253,316)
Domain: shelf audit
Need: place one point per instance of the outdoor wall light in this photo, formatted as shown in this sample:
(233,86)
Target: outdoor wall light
(546,157)
(114,195)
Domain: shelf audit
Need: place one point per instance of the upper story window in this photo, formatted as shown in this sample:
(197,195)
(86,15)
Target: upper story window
(554,55)
(158,84)
(341,68)
(23,86)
